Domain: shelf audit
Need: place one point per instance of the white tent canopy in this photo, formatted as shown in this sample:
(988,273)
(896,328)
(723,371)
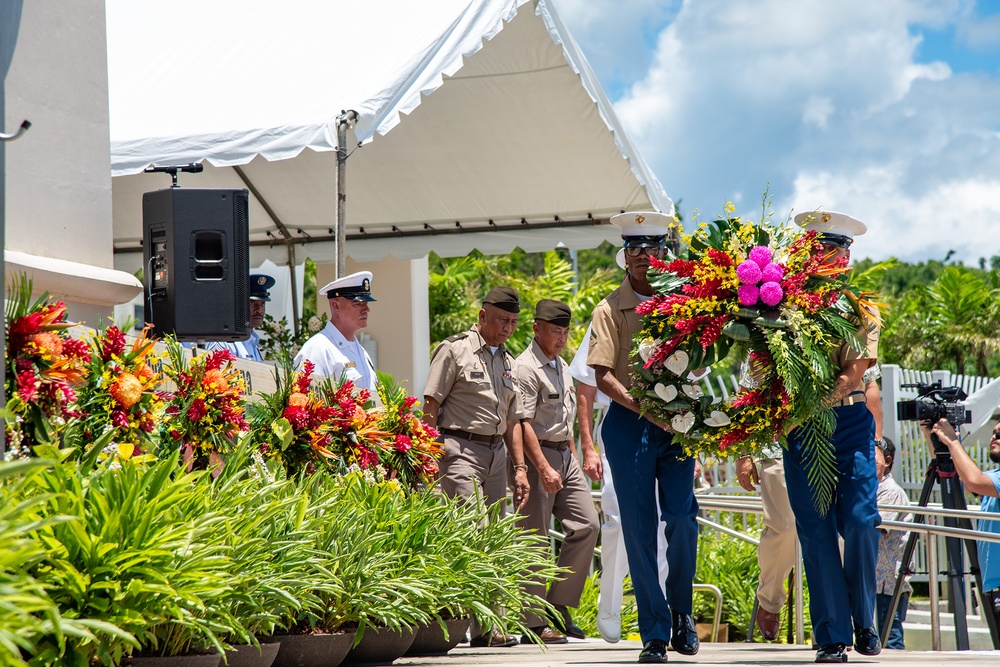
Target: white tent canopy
(480,123)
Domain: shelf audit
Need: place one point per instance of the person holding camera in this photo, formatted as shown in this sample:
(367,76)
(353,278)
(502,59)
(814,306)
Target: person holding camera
(985,484)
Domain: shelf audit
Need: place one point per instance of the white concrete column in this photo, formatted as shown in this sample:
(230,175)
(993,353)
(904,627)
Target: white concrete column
(58,203)
(399,320)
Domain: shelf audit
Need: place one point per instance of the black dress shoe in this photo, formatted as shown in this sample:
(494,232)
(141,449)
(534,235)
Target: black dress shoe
(546,635)
(563,622)
(832,653)
(685,636)
(495,639)
(655,650)
(867,642)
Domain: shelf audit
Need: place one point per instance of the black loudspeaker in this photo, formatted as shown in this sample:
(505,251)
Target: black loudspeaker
(196,257)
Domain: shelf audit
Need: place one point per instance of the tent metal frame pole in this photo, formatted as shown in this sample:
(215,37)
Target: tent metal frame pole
(344,121)
(287,237)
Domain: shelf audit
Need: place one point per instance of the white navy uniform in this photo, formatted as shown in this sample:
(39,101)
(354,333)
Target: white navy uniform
(334,355)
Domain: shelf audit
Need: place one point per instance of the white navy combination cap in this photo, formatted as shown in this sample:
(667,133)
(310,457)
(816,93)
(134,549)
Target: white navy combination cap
(642,229)
(834,228)
(356,287)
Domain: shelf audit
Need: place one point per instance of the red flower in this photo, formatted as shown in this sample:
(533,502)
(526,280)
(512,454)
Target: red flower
(713,330)
(732,438)
(119,418)
(20,330)
(720,258)
(709,289)
(113,343)
(366,457)
(27,386)
(77,348)
(217,358)
(688,326)
(681,267)
(197,410)
(403,443)
(408,404)
(304,379)
(297,416)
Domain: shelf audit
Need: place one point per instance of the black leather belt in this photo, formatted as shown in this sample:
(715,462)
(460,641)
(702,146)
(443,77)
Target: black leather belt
(490,440)
(553,444)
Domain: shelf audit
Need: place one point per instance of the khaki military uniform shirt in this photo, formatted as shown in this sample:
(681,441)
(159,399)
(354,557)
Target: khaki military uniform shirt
(615,323)
(547,394)
(846,352)
(477,389)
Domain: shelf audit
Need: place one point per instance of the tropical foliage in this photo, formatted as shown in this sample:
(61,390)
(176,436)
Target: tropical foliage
(139,518)
(457,287)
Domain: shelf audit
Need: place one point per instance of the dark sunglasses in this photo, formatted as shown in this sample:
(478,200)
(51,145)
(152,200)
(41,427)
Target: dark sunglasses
(836,240)
(635,251)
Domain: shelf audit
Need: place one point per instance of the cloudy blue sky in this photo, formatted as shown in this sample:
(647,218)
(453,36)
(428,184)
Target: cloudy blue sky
(885,109)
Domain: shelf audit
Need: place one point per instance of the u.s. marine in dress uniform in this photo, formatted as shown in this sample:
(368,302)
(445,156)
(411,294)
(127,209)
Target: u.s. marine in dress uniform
(841,590)
(654,476)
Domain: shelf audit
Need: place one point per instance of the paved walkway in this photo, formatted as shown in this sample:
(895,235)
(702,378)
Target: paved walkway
(597,652)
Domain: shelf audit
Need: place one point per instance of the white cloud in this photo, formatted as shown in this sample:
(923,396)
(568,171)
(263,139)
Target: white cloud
(927,224)
(817,110)
(828,103)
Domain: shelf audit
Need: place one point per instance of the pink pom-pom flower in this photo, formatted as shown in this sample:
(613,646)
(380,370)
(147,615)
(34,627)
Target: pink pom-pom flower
(772,273)
(761,256)
(748,272)
(771,294)
(748,295)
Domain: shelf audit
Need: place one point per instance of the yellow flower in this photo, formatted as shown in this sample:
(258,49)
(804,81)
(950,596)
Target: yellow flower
(729,208)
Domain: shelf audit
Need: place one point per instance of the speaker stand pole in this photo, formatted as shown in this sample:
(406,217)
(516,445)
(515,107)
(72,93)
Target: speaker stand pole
(344,121)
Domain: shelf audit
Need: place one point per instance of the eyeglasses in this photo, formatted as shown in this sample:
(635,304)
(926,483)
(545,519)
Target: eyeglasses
(836,240)
(635,251)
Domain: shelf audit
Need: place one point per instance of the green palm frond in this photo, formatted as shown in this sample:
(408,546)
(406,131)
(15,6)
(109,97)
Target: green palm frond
(819,458)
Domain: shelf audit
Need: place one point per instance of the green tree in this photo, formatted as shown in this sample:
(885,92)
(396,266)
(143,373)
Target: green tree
(952,323)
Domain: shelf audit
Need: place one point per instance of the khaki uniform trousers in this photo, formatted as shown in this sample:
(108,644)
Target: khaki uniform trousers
(474,470)
(477,471)
(574,507)
(776,553)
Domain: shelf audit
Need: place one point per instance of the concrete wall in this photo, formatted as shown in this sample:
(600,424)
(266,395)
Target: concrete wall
(398,320)
(58,184)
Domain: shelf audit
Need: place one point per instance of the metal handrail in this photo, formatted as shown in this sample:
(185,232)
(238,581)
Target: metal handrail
(717,616)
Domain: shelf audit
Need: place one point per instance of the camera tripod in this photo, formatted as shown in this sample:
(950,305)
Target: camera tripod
(942,470)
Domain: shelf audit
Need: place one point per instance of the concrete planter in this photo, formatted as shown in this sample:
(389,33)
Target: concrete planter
(381,646)
(326,650)
(430,639)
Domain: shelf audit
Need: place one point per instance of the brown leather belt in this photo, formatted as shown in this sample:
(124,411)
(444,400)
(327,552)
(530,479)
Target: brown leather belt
(491,440)
(553,444)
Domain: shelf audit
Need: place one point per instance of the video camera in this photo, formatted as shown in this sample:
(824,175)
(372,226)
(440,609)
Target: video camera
(934,402)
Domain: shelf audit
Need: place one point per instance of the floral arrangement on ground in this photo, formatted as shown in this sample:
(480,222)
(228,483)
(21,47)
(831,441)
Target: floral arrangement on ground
(144,403)
(774,296)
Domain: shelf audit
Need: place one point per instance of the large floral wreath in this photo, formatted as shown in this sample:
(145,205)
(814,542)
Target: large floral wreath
(769,294)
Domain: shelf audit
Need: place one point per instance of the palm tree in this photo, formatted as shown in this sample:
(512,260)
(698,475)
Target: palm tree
(952,323)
